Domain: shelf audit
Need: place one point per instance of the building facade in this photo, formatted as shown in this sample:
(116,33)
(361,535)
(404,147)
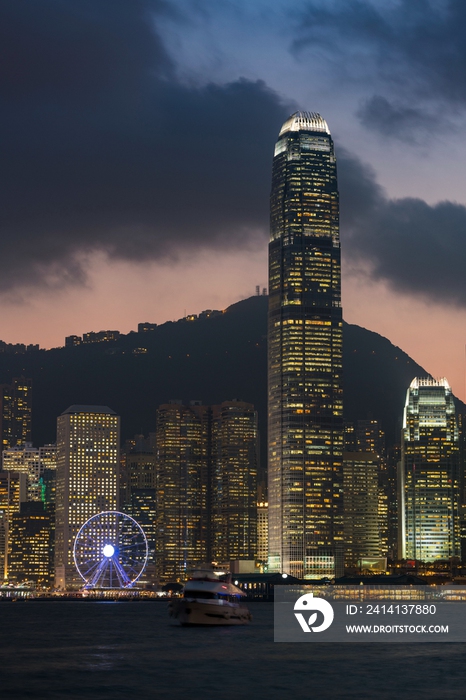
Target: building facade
(138,492)
(233,521)
(362,526)
(25,459)
(183,459)
(206,485)
(15,413)
(305,403)
(13,492)
(429,477)
(87,482)
(31,545)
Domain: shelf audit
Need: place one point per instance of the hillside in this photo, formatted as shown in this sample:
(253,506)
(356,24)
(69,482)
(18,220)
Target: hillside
(212,359)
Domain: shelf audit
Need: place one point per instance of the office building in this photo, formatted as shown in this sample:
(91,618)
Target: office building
(305,354)
(182,438)
(24,459)
(15,413)
(87,482)
(13,492)
(138,492)
(429,477)
(31,546)
(234,482)
(33,462)
(206,485)
(362,521)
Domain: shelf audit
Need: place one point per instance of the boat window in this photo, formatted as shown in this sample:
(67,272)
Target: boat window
(199,594)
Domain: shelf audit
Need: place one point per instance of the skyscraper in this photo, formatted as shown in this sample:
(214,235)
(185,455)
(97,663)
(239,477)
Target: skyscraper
(305,354)
(138,491)
(15,413)
(206,485)
(88,441)
(234,481)
(430,473)
(25,459)
(182,441)
(31,546)
(362,524)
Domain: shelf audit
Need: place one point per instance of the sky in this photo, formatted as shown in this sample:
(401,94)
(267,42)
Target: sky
(136,160)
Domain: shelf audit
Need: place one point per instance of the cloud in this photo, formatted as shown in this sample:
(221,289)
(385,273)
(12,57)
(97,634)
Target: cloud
(415,247)
(105,150)
(413,51)
(407,124)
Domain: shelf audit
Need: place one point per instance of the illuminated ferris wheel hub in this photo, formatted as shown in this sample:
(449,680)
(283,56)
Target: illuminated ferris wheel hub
(110,551)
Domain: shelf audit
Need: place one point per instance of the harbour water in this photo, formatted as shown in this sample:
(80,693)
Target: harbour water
(125,650)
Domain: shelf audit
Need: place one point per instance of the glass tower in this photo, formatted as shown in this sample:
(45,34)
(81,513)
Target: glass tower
(430,473)
(305,354)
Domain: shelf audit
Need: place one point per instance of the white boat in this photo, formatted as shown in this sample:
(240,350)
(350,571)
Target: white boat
(209,600)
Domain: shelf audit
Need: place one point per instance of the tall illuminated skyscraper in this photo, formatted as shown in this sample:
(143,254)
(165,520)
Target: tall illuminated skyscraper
(88,441)
(429,479)
(15,413)
(305,354)
(234,481)
(182,440)
(206,485)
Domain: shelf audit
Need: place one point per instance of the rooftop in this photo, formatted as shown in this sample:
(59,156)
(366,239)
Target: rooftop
(305,121)
(429,381)
(78,408)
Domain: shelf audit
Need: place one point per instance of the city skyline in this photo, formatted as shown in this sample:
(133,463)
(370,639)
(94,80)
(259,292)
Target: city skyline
(93,249)
(233,348)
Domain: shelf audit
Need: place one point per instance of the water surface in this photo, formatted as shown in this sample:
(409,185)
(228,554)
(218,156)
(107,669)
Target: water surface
(117,650)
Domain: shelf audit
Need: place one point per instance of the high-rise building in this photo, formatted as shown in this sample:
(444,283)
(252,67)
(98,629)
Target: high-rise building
(234,482)
(366,440)
(3,545)
(25,459)
(31,545)
(138,492)
(206,485)
(15,413)
(305,354)
(429,476)
(182,449)
(34,462)
(13,492)
(363,531)
(88,440)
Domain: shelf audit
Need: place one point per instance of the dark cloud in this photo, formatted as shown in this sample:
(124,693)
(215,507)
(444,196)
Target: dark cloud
(408,124)
(415,247)
(414,49)
(104,150)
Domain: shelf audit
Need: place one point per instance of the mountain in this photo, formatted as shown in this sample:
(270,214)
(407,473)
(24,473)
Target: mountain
(212,359)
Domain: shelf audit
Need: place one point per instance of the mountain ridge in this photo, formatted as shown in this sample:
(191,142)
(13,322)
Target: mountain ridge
(210,359)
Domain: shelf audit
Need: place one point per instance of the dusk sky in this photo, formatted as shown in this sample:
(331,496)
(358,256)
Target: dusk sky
(137,149)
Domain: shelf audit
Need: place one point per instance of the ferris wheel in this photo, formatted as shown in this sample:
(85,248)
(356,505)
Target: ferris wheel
(110,551)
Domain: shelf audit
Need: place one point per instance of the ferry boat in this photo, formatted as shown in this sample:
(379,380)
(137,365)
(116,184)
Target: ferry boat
(209,600)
